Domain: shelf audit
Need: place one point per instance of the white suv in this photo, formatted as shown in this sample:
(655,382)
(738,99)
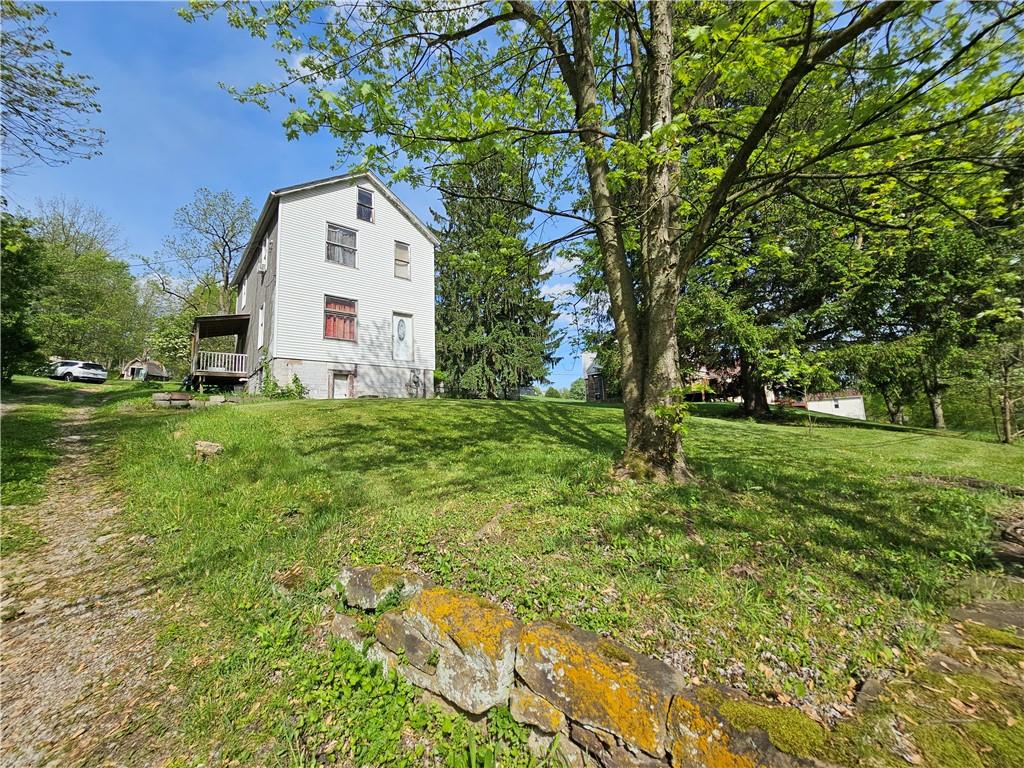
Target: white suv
(78,370)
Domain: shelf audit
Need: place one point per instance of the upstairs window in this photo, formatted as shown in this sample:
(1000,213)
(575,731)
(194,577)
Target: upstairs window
(242,292)
(339,318)
(364,204)
(341,245)
(402,261)
(264,253)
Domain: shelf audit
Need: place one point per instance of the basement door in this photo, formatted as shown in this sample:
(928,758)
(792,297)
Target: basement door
(401,337)
(341,385)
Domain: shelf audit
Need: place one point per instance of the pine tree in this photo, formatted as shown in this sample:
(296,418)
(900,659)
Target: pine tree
(494,327)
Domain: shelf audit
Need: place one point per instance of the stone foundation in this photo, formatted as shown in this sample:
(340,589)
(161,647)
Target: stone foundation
(605,704)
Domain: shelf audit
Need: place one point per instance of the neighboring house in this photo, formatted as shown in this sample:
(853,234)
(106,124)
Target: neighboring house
(849,403)
(336,287)
(145,369)
(594,378)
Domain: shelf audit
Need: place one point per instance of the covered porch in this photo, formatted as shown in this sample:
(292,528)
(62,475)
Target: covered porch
(220,369)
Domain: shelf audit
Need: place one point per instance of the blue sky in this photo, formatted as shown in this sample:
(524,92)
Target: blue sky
(171,129)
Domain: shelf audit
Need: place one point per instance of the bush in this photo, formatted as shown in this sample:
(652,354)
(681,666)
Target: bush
(552,392)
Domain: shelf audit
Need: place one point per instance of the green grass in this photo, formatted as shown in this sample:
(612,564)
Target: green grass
(28,449)
(800,558)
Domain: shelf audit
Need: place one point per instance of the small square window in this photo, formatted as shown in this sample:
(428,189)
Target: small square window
(364,204)
(402,267)
(341,245)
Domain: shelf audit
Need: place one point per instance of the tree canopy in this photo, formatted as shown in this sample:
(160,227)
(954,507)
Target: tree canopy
(657,126)
(46,108)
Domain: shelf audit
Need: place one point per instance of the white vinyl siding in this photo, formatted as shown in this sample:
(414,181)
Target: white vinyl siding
(305,277)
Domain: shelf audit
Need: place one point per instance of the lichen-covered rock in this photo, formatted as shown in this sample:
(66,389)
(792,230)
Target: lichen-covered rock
(570,755)
(605,749)
(403,640)
(368,586)
(527,707)
(347,628)
(697,738)
(475,642)
(597,682)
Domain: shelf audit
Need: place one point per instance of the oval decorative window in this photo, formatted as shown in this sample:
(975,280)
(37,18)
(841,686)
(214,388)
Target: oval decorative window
(401,330)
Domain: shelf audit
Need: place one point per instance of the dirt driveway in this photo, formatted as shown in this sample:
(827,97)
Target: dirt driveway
(81,680)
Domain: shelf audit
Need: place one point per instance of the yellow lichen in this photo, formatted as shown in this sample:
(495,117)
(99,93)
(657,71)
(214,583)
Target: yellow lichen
(528,707)
(471,621)
(600,691)
(698,739)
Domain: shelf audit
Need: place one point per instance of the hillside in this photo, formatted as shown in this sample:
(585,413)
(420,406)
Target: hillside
(803,561)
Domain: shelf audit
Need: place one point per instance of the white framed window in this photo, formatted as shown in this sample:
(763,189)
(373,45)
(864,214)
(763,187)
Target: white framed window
(402,261)
(259,328)
(341,245)
(364,204)
(242,293)
(264,253)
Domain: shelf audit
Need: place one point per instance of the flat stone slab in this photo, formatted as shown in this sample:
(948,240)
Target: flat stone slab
(367,586)
(599,683)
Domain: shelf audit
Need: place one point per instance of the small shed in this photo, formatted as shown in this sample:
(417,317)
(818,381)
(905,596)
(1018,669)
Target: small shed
(145,369)
(848,403)
(594,378)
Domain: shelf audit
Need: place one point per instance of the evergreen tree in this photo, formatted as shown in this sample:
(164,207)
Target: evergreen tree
(494,328)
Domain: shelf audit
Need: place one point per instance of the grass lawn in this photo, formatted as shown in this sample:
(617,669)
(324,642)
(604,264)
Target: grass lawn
(802,561)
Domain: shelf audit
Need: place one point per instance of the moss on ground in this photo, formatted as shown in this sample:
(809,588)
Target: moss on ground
(992,636)
(942,746)
(788,729)
(1005,742)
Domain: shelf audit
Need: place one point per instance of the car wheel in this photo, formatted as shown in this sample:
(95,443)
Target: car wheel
(68,377)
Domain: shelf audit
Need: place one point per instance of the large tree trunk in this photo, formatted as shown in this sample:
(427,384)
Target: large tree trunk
(755,401)
(893,408)
(933,391)
(647,341)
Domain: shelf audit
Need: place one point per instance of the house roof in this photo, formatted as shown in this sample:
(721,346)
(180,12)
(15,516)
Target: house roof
(151,366)
(841,395)
(270,208)
(206,326)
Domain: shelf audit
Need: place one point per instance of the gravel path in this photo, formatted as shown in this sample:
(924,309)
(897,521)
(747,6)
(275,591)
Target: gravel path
(81,684)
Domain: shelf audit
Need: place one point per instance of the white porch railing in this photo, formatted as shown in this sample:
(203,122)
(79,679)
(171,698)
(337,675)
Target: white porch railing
(220,362)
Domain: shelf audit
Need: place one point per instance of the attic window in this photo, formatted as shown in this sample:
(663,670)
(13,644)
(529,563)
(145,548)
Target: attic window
(364,205)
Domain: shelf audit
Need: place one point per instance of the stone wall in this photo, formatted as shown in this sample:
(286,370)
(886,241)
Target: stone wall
(186,400)
(596,701)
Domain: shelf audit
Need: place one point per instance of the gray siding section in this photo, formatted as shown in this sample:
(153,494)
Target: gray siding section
(260,289)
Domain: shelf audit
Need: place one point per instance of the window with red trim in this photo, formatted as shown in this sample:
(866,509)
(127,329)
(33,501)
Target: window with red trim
(339,319)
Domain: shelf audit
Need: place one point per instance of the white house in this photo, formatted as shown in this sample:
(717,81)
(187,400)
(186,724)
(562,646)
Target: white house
(336,287)
(848,403)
